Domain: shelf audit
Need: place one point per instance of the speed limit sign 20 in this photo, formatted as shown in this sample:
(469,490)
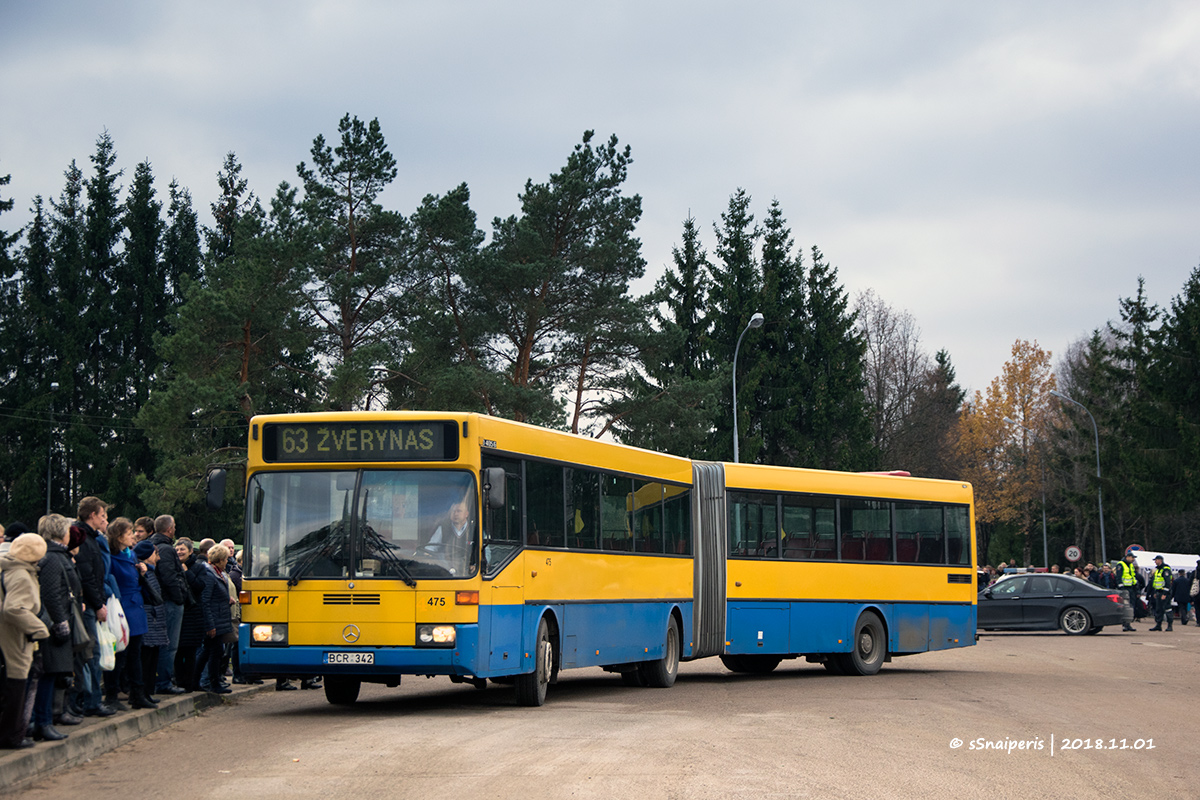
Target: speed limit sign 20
(1073,553)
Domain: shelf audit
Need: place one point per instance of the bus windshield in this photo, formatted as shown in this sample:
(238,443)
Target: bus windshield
(408,524)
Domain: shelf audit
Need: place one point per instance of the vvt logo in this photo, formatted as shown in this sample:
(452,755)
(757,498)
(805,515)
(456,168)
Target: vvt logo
(266,600)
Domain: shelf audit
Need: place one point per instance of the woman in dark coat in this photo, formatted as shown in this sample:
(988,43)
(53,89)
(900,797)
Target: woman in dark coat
(156,617)
(218,621)
(191,633)
(60,587)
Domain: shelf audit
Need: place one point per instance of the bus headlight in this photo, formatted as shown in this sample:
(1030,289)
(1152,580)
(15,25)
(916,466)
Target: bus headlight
(436,636)
(269,634)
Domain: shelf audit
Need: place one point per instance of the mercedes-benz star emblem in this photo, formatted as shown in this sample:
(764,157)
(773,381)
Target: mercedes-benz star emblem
(351,633)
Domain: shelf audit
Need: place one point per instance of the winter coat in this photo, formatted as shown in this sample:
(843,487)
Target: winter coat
(90,561)
(124,569)
(171,576)
(234,571)
(214,602)
(19,623)
(156,615)
(191,633)
(60,586)
(1181,589)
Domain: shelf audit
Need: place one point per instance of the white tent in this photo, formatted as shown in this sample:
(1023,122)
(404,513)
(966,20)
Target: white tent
(1176,561)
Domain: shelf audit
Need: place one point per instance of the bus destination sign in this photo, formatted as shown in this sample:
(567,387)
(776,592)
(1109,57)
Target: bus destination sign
(360,441)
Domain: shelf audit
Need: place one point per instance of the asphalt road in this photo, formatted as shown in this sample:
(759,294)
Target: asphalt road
(798,732)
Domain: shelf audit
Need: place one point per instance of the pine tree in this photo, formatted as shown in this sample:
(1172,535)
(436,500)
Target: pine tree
(450,365)
(361,289)
(556,283)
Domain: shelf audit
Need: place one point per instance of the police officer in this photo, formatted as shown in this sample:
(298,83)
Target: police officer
(1127,582)
(1161,585)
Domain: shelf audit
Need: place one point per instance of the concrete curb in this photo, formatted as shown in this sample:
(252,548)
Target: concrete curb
(97,736)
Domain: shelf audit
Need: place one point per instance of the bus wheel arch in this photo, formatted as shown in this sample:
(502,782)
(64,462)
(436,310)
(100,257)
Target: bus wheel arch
(869,647)
(661,672)
(531,686)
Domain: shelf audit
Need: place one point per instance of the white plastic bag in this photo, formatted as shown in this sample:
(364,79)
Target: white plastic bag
(117,624)
(107,644)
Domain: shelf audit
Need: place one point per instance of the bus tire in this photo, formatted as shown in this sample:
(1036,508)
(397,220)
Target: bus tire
(869,646)
(751,664)
(531,687)
(660,674)
(341,691)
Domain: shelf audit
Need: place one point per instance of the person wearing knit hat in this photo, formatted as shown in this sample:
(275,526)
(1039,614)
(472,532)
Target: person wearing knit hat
(156,637)
(19,629)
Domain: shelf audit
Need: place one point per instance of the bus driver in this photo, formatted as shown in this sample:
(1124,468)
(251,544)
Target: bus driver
(451,539)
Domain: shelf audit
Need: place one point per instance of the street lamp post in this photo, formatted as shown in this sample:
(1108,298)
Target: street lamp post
(756,321)
(1045,539)
(1099,488)
(50,445)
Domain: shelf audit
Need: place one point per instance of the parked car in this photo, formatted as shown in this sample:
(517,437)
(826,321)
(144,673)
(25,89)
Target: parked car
(1043,602)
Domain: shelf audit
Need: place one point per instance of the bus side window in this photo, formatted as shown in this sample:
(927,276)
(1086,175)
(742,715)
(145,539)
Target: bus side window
(958,543)
(647,517)
(677,520)
(583,509)
(615,499)
(544,501)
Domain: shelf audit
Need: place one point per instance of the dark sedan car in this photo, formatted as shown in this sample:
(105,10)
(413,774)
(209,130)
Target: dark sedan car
(1043,602)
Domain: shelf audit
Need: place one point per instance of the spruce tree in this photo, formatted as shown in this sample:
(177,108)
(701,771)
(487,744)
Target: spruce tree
(670,395)
(836,430)
(241,346)
(737,293)
(781,369)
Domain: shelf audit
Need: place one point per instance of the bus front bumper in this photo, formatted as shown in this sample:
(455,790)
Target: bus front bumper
(363,662)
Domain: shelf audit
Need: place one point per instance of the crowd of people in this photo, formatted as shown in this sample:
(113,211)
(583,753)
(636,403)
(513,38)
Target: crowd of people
(58,584)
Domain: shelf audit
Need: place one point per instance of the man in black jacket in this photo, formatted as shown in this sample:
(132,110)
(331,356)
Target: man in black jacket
(174,590)
(89,563)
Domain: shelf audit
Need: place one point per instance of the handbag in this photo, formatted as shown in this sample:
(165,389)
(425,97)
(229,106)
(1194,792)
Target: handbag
(117,623)
(107,644)
(229,638)
(81,642)
(1195,587)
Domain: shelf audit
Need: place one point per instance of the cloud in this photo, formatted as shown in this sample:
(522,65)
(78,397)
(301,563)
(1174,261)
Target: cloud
(1001,171)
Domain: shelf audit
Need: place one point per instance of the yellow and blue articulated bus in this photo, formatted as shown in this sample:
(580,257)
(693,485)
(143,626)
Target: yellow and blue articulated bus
(384,544)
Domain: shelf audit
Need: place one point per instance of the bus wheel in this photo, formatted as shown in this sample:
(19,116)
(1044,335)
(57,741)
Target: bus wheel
(341,691)
(531,687)
(870,646)
(753,664)
(661,673)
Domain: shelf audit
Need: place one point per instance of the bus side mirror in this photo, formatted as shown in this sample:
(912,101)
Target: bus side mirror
(215,494)
(493,487)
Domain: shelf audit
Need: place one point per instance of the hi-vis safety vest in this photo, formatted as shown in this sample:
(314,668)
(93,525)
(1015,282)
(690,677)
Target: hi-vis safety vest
(1128,574)
(1160,577)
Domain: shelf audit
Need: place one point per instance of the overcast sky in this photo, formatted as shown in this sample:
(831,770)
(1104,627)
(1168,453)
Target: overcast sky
(1001,170)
